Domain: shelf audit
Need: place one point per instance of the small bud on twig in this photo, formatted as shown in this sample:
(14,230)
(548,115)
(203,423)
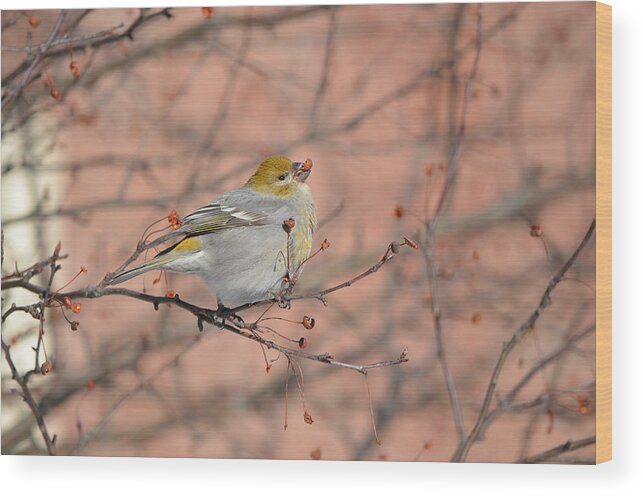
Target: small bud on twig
(288,225)
(410,242)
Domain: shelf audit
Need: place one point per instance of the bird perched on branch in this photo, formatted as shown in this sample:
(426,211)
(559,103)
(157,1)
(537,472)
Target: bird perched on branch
(249,243)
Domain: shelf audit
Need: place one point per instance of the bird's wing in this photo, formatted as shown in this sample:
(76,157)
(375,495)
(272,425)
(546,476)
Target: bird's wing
(216,217)
(211,218)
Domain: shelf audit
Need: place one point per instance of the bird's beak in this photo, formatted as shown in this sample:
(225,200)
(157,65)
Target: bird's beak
(302,170)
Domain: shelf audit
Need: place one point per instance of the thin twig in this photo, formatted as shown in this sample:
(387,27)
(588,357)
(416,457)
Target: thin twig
(517,337)
(506,403)
(29,399)
(432,267)
(566,447)
(29,73)
(223,318)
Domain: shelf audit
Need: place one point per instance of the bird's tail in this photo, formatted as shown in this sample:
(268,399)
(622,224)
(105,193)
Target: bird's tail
(158,262)
(141,269)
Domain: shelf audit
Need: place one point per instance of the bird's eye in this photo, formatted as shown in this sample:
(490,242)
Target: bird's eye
(282,177)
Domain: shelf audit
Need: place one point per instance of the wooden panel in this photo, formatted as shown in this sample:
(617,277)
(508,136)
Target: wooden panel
(603,232)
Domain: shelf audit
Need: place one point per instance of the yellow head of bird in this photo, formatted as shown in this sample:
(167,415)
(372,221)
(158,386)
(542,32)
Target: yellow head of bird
(279,176)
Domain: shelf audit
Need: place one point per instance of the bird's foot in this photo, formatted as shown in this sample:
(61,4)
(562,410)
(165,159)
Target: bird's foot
(283,300)
(225,313)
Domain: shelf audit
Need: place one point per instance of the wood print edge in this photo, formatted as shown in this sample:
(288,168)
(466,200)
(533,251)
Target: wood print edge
(603,232)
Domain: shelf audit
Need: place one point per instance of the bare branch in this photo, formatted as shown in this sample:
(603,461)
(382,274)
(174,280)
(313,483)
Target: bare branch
(29,399)
(546,456)
(224,318)
(517,337)
(431,265)
(28,75)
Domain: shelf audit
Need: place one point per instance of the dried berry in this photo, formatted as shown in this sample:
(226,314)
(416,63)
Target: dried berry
(325,244)
(173,219)
(583,405)
(308,322)
(536,231)
(476,318)
(316,454)
(302,343)
(73,67)
(55,94)
(308,418)
(46,367)
(398,211)
(207,12)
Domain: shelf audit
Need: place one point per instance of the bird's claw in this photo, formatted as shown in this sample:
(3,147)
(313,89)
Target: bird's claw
(282,302)
(225,313)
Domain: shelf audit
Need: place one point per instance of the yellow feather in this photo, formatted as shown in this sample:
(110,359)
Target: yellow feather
(188,244)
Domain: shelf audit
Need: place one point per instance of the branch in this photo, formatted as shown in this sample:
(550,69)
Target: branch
(29,69)
(224,318)
(47,50)
(563,448)
(431,265)
(506,403)
(517,337)
(29,399)
(391,251)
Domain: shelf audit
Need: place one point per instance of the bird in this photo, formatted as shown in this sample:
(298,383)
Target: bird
(248,244)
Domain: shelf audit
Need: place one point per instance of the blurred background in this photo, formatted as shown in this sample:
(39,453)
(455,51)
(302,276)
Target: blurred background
(112,118)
